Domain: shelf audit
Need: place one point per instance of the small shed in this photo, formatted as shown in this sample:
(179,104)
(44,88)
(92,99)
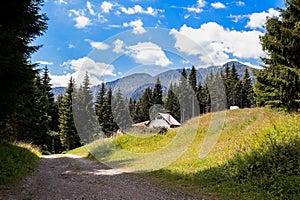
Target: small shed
(164,120)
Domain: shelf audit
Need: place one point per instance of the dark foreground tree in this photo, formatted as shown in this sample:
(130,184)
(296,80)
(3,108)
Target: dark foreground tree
(278,85)
(20,23)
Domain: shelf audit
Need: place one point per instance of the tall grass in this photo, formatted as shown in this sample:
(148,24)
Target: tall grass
(17,160)
(257,156)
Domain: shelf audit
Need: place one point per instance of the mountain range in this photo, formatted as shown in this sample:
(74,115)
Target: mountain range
(134,85)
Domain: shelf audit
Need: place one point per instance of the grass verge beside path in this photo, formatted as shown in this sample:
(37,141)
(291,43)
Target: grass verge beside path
(17,161)
(257,156)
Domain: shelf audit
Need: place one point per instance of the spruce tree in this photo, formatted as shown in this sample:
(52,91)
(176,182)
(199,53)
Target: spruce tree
(172,104)
(120,111)
(31,121)
(248,93)
(69,136)
(278,85)
(99,105)
(184,97)
(234,86)
(109,125)
(194,107)
(83,112)
(145,104)
(20,23)
(157,93)
(52,109)
(193,79)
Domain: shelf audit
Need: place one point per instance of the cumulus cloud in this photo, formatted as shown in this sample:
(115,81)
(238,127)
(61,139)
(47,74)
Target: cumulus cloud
(107,6)
(214,44)
(81,20)
(218,5)
(137,9)
(87,64)
(63,80)
(80,67)
(145,53)
(42,62)
(258,20)
(198,8)
(137,26)
(97,45)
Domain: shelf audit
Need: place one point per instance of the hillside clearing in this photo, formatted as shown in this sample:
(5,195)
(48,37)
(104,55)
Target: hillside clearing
(250,138)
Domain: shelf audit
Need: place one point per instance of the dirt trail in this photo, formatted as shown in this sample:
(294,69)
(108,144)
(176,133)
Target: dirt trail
(73,177)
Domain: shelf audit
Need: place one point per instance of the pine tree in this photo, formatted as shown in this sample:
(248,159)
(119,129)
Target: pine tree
(21,22)
(193,92)
(109,125)
(83,112)
(145,104)
(248,93)
(234,86)
(184,97)
(157,93)
(206,99)
(226,81)
(120,111)
(52,109)
(193,79)
(278,85)
(172,104)
(99,105)
(31,122)
(69,136)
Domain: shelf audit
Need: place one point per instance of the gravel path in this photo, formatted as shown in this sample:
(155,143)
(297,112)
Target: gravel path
(73,177)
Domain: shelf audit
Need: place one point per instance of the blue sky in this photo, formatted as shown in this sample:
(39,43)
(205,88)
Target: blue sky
(110,39)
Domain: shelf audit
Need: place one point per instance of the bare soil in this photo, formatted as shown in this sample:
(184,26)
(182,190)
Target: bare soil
(72,177)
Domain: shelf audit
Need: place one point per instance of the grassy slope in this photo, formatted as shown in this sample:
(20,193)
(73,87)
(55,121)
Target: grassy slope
(17,161)
(248,161)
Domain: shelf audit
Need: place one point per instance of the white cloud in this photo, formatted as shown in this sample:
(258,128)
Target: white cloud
(119,46)
(137,26)
(145,53)
(61,80)
(97,45)
(60,2)
(195,9)
(201,3)
(87,64)
(81,20)
(89,7)
(258,20)
(137,9)
(214,44)
(237,18)
(198,8)
(71,46)
(240,3)
(107,6)
(41,62)
(218,5)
